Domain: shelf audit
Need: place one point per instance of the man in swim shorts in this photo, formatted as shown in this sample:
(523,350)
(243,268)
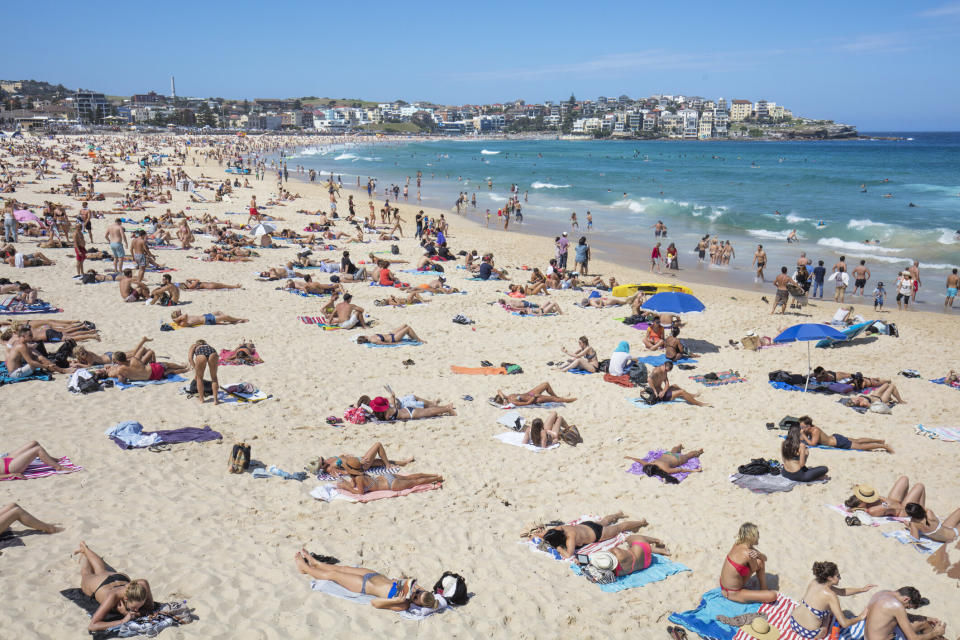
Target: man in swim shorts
(953,282)
(117,237)
(665,391)
(132,289)
(346,314)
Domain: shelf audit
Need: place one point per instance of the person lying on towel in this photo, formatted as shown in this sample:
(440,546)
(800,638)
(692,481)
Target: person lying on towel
(566,539)
(125,369)
(394,595)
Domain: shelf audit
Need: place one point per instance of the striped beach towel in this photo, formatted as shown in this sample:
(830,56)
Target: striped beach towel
(778,615)
(947,434)
(372,471)
(723,377)
(39,469)
(319,321)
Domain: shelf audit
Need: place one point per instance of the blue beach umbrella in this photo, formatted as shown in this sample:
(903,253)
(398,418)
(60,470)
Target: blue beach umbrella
(809,332)
(672,302)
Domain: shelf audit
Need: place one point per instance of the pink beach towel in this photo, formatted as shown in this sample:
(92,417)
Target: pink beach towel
(38,469)
(225,354)
(379,495)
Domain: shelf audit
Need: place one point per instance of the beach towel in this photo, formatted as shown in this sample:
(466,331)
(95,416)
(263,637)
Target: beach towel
(623,380)
(242,398)
(130,435)
(329,492)
(703,620)
(865,518)
(167,614)
(331,588)
(723,377)
(943,381)
(580,372)
(946,434)
(225,354)
(39,469)
(660,569)
(923,545)
(778,614)
(406,342)
(659,359)
(516,439)
(479,371)
(305,294)
(769,483)
(640,404)
(372,471)
(321,322)
(10,307)
(36,375)
(637,467)
(143,383)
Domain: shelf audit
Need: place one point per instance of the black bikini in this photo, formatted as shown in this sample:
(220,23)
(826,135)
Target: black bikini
(113,577)
(596,528)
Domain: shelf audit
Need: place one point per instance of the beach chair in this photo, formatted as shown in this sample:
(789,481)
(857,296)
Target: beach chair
(851,332)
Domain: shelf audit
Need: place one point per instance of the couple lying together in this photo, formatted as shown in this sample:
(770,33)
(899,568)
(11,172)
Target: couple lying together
(351,472)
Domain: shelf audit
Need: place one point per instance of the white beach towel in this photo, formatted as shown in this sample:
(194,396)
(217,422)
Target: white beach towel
(413,613)
(509,419)
(516,439)
(328,492)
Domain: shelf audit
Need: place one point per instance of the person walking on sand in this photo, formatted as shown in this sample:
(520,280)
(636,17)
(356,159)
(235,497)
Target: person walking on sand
(760,260)
(914,270)
(953,282)
(783,296)
(656,262)
(860,276)
(116,236)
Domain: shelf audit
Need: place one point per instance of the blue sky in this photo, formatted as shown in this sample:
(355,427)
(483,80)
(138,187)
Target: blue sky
(879,65)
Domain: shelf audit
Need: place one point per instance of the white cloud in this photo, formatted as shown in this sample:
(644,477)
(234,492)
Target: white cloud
(950,9)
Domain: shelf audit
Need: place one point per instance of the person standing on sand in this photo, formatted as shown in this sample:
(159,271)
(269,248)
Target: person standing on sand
(914,270)
(819,273)
(841,280)
(573,221)
(85,223)
(953,282)
(589,221)
(759,259)
(783,296)
(79,249)
(116,235)
(562,248)
(904,290)
(860,276)
(655,259)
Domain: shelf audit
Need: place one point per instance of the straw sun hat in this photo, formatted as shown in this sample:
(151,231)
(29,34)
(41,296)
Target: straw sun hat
(761,630)
(865,493)
(603,560)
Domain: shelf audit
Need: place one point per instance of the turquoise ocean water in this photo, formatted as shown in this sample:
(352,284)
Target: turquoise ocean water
(831,192)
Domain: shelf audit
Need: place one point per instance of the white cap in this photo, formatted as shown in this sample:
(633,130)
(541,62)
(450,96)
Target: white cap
(564,233)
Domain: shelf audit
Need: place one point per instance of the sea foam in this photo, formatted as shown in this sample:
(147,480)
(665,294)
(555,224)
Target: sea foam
(547,185)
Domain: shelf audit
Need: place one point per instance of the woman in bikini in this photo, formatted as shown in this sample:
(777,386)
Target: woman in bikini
(638,555)
(866,498)
(245,353)
(585,357)
(346,464)
(15,513)
(879,395)
(742,561)
(362,484)
(394,337)
(195,284)
(202,357)
(547,432)
(409,407)
(14,463)
(566,539)
(394,595)
(540,394)
(921,524)
(812,618)
(115,592)
(88,358)
(669,463)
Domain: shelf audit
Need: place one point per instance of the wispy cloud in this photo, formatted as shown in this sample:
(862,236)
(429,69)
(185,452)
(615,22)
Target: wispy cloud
(950,9)
(874,43)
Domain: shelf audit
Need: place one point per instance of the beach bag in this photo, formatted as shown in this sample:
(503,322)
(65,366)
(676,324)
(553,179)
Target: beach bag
(750,342)
(452,587)
(789,421)
(648,395)
(239,458)
(599,576)
(394,249)
(758,467)
(62,357)
(780,376)
(571,435)
(604,366)
(638,374)
(82,381)
(355,415)
(511,368)
(192,387)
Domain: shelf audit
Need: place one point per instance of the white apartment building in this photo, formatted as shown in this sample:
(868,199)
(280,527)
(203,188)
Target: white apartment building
(689,117)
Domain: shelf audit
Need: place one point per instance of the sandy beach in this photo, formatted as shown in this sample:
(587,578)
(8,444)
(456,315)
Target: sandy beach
(226,543)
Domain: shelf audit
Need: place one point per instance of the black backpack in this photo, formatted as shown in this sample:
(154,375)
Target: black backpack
(638,374)
(459,595)
(758,467)
(648,395)
(394,249)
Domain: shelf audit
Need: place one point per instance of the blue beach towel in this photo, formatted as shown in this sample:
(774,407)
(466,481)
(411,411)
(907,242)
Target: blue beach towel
(6,379)
(580,372)
(657,360)
(19,309)
(783,386)
(660,569)
(943,381)
(144,383)
(403,343)
(304,294)
(703,620)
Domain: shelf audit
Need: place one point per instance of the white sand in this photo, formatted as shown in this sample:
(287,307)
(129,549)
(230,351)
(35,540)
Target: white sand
(227,542)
